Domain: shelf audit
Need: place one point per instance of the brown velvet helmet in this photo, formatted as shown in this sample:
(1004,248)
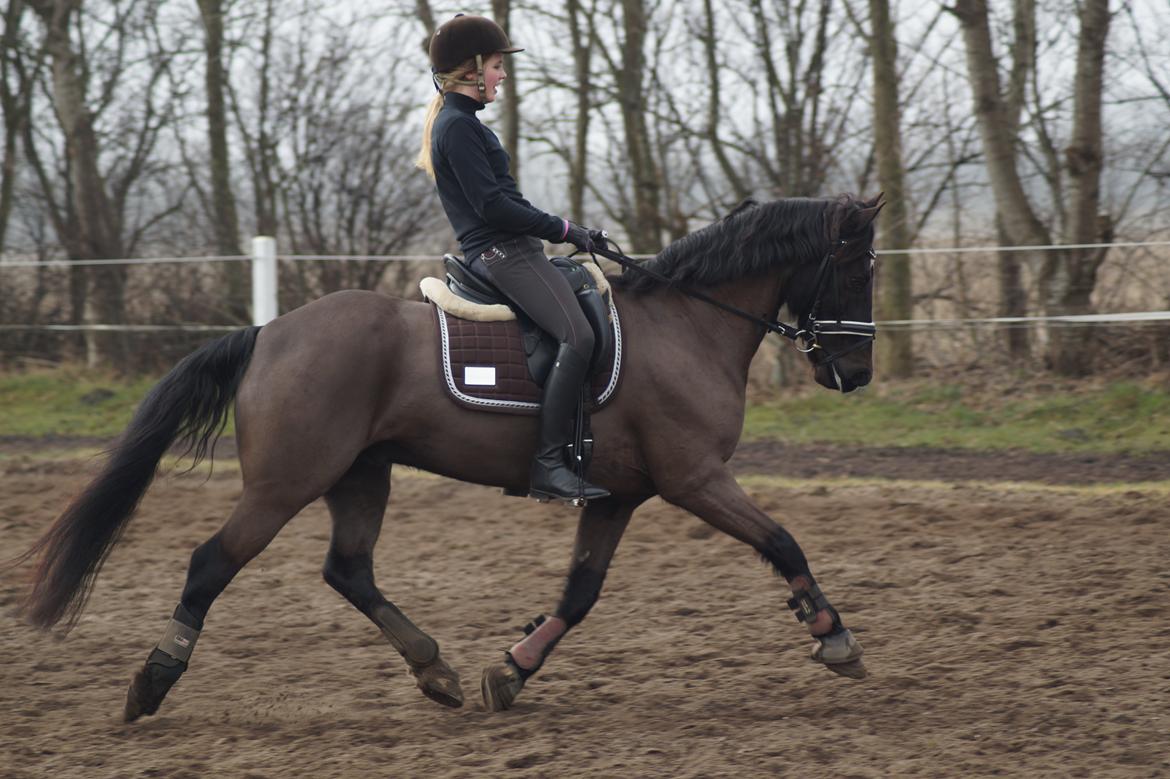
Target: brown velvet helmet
(464,38)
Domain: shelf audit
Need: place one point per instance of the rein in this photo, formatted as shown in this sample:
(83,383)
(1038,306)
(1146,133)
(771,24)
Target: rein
(804,336)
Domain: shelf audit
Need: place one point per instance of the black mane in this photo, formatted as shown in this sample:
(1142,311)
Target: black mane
(749,241)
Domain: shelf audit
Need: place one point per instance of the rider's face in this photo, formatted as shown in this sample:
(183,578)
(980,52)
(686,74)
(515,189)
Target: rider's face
(493,74)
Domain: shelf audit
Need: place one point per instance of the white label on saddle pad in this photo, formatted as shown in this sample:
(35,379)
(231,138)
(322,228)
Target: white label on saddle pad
(479,376)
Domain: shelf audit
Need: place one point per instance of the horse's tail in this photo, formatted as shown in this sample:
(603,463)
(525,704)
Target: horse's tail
(190,404)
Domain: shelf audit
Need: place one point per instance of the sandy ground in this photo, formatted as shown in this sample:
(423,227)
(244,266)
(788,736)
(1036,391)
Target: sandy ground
(1009,630)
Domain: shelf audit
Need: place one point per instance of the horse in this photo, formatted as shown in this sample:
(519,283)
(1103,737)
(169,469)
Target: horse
(330,396)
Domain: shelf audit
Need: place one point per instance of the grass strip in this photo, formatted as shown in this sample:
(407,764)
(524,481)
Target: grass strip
(1116,417)
(1102,417)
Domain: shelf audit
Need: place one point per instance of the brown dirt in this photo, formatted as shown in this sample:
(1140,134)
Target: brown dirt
(1010,630)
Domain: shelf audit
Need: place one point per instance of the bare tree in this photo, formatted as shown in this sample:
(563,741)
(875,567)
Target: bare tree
(222,203)
(18,76)
(711,45)
(896,302)
(583,39)
(510,96)
(1067,277)
(641,217)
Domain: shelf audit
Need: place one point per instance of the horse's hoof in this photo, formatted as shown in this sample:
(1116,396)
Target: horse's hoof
(148,688)
(840,653)
(439,682)
(500,685)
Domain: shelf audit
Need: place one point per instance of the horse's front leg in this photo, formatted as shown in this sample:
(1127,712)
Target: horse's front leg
(722,503)
(599,530)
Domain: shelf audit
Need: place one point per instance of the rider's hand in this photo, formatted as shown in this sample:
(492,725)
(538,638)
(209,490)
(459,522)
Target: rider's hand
(585,239)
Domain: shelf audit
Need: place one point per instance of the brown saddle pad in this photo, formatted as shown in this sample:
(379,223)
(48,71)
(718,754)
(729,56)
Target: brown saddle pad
(484,366)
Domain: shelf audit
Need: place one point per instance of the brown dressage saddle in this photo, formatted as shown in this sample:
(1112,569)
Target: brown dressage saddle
(494,358)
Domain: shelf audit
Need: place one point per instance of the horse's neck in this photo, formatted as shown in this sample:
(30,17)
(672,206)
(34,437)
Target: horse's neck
(721,340)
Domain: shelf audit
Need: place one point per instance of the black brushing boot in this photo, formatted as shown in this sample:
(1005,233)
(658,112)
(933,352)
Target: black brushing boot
(550,477)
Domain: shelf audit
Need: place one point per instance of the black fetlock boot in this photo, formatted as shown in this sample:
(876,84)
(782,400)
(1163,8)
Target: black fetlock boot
(550,477)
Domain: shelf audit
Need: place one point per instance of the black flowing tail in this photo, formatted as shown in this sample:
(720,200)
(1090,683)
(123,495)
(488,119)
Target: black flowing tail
(189,404)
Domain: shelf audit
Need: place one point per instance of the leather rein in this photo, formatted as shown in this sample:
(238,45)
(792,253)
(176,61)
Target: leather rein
(805,336)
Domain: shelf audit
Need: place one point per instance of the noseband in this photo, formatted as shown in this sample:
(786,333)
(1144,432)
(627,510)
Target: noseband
(806,335)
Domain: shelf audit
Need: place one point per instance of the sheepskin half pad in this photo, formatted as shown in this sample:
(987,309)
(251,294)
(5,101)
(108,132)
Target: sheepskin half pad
(484,366)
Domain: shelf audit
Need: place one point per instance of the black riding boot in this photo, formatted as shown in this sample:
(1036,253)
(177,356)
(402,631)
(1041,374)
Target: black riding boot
(550,477)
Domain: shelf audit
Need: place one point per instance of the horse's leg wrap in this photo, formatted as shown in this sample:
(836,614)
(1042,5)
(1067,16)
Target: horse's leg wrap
(808,601)
(437,680)
(838,650)
(529,629)
(163,667)
(415,646)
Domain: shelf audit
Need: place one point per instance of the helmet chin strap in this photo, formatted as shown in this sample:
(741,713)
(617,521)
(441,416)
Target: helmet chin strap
(442,79)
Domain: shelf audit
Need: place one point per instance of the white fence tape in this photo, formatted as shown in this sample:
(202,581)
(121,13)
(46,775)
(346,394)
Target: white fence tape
(264,287)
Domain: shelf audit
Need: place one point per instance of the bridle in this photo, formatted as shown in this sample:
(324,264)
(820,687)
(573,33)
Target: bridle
(805,336)
(811,328)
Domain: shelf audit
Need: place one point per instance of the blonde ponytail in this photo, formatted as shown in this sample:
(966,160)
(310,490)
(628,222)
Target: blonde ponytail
(447,82)
(424,154)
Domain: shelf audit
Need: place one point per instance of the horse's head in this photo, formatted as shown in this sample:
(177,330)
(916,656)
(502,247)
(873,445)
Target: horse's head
(835,302)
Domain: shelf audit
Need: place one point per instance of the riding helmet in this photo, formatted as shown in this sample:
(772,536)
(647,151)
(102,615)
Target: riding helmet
(464,38)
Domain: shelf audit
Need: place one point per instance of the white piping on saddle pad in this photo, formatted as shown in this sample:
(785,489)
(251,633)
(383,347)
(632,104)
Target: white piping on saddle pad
(435,290)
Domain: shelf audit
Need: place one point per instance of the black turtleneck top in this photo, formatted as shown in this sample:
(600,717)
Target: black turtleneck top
(477,190)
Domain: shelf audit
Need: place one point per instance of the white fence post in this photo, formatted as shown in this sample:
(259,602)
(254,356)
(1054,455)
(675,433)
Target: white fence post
(264,308)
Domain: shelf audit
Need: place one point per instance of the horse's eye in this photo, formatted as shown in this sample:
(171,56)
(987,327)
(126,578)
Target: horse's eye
(856,283)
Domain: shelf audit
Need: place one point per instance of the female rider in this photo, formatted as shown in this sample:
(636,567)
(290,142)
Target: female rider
(499,231)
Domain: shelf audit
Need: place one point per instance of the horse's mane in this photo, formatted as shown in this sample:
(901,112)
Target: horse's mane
(751,240)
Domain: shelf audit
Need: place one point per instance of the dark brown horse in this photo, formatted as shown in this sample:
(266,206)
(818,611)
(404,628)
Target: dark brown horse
(328,397)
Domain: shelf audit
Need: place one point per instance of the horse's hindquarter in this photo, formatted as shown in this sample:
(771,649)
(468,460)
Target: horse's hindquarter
(317,382)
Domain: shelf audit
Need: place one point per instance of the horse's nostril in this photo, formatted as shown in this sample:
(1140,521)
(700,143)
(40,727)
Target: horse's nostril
(862,378)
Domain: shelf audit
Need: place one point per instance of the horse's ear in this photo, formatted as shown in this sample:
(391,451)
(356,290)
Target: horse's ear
(744,205)
(868,212)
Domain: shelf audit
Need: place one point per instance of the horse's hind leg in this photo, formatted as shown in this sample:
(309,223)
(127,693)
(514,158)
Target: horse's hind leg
(719,501)
(357,503)
(256,520)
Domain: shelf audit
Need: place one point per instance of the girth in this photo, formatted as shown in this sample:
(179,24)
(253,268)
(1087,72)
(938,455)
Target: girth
(540,348)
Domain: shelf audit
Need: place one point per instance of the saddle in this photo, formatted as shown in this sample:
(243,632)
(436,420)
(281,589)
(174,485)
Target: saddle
(495,358)
(540,348)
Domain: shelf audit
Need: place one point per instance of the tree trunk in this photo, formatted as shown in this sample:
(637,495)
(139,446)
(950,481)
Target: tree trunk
(263,183)
(582,42)
(1069,278)
(895,352)
(97,235)
(511,94)
(644,224)
(1013,300)
(15,105)
(714,109)
(1019,219)
(225,222)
